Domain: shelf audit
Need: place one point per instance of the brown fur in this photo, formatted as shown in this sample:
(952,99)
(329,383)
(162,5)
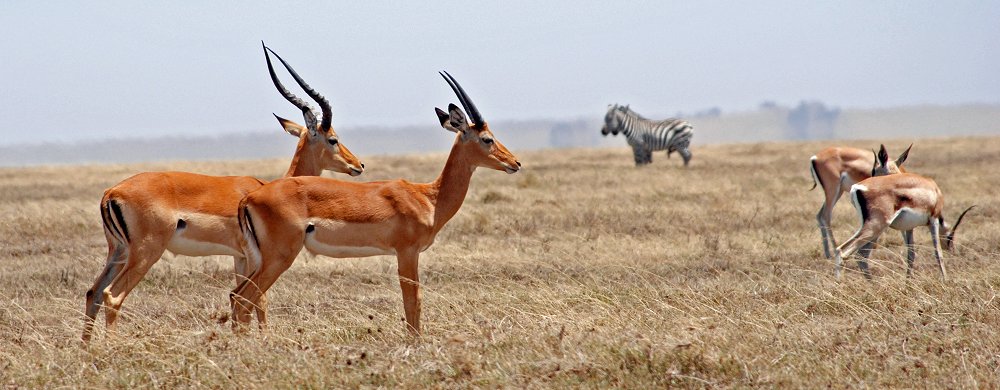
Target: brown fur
(832,164)
(152,203)
(883,197)
(394,216)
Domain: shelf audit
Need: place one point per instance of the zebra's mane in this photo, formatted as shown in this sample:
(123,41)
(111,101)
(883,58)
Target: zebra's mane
(629,111)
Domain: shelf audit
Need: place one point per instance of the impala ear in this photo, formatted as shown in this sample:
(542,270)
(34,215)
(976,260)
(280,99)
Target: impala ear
(902,157)
(292,128)
(454,120)
(883,156)
(442,116)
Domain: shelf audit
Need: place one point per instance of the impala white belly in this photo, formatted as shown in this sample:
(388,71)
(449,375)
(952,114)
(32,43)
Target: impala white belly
(343,240)
(907,219)
(204,235)
(187,247)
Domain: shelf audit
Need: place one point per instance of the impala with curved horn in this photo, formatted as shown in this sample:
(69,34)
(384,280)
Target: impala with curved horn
(195,215)
(903,202)
(836,169)
(346,219)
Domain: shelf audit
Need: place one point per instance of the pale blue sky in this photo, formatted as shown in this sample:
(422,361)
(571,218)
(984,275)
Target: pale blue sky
(83,70)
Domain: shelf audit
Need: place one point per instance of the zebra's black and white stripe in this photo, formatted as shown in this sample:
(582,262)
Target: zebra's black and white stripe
(646,136)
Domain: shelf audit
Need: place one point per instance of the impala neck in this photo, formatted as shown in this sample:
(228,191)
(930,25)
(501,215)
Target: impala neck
(304,162)
(452,185)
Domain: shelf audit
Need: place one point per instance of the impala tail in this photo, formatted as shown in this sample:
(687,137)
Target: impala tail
(949,238)
(812,169)
(248,238)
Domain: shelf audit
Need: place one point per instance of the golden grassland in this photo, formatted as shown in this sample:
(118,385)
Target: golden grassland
(581,270)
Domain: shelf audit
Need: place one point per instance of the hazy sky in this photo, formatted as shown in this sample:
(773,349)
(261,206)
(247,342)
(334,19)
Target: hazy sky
(90,70)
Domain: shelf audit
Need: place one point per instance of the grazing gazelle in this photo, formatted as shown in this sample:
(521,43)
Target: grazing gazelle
(195,215)
(836,169)
(347,219)
(903,201)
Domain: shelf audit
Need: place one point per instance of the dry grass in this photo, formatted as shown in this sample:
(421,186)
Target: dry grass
(580,271)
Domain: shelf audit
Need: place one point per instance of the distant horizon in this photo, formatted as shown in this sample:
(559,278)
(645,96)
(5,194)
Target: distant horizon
(265,130)
(100,70)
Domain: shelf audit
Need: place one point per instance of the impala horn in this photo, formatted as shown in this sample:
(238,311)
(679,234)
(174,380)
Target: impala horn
(324,105)
(470,108)
(307,111)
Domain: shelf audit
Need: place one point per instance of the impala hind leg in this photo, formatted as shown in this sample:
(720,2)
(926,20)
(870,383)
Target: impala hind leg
(250,294)
(117,256)
(243,271)
(865,237)
(139,261)
(409,283)
(825,216)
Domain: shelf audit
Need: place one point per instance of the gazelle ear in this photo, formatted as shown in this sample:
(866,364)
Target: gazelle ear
(883,156)
(292,128)
(454,120)
(902,157)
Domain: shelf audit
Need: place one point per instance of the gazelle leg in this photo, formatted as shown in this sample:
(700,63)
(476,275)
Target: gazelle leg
(139,261)
(936,239)
(863,254)
(910,252)
(824,230)
(868,233)
(117,257)
(825,216)
(409,283)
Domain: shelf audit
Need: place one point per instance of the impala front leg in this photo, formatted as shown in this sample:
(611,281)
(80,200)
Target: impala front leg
(409,283)
(910,252)
(936,239)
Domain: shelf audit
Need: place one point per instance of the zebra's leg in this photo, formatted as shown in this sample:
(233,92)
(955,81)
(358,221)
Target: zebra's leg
(637,154)
(686,154)
(648,157)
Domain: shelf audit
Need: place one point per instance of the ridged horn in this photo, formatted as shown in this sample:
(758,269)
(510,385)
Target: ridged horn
(470,108)
(324,105)
(307,111)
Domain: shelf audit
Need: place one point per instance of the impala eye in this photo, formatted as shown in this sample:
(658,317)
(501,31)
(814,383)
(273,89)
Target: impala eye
(332,141)
(488,141)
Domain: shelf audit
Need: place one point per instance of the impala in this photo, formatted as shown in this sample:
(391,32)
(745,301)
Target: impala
(346,219)
(903,202)
(836,169)
(195,215)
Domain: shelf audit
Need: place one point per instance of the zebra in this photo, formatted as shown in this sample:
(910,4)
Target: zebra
(646,136)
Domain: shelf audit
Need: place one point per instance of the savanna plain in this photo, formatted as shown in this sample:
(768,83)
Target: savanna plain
(580,271)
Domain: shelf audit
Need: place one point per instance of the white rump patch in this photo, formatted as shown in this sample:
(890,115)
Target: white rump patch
(907,219)
(812,170)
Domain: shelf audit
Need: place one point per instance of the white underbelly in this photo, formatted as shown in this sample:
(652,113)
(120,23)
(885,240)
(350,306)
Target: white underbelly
(315,247)
(907,219)
(846,182)
(180,245)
